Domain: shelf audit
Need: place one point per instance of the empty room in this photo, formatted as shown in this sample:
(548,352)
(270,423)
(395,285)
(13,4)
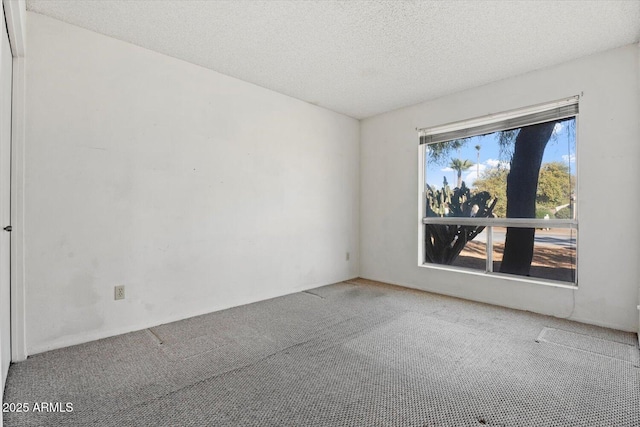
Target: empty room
(320,213)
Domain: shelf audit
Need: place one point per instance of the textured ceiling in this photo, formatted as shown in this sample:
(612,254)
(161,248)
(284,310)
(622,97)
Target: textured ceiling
(362,58)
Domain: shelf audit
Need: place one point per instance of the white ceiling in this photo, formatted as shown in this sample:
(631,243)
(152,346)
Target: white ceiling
(362,58)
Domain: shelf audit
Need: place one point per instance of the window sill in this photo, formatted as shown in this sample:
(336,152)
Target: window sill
(500,276)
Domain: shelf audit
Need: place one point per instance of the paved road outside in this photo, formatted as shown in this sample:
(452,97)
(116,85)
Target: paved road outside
(558,237)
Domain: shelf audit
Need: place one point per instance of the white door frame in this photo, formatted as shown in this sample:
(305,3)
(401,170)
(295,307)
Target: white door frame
(16,16)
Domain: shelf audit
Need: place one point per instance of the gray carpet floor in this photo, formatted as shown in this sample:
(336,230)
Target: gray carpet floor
(355,353)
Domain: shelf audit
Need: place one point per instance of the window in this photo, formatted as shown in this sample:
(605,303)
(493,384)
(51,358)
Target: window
(498,194)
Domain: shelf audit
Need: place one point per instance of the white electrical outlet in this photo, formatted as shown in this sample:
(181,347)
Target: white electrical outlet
(118,292)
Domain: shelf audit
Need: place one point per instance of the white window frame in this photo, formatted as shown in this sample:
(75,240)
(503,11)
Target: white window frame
(482,125)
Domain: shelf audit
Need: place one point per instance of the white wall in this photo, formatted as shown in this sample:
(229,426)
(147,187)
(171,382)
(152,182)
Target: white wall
(608,153)
(195,190)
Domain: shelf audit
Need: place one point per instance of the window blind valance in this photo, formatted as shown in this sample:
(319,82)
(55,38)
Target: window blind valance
(503,121)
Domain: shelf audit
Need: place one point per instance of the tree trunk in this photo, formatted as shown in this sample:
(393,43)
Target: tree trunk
(522,184)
